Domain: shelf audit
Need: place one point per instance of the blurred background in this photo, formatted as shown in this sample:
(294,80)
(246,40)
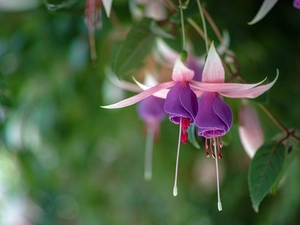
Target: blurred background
(64,160)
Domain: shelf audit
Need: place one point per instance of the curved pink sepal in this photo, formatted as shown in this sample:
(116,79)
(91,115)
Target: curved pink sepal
(222,87)
(160,94)
(134,99)
(213,71)
(181,72)
(250,93)
(107,6)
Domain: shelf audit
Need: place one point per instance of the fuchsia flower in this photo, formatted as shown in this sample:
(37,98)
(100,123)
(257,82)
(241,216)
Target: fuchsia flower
(211,114)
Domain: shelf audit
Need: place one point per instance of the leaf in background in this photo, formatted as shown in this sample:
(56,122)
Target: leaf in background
(159,31)
(192,136)
(17,5)
(135,48)
(58,4)
(266,166)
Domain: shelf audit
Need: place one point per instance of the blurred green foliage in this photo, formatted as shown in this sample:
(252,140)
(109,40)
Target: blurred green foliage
(71,162)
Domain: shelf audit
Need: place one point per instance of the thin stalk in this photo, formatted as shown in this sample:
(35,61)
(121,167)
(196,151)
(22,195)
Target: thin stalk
(92,45)
(182,25)
(198,29)
(276,121)
(213,25)
(204,25)
(148,152)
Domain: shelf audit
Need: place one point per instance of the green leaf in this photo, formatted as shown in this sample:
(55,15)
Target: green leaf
(135,48)
(292,150)
(192,136)
(266,166)
(159,31)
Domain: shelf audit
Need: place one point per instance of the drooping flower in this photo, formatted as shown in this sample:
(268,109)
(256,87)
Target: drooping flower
(250,130)
(182,103)
(214,118)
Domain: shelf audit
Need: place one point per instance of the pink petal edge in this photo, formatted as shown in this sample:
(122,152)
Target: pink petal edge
(222,87)
(124,84)
(134,99)
(160,94)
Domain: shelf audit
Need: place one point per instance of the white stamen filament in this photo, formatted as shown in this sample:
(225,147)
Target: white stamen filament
(217,172)
(148,153)
(175,190)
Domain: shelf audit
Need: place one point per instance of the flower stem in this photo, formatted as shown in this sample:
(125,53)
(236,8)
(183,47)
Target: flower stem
(213,25)
(182,24)
(148,153)
(198,29)
(204,25)
(92,45)
(276,121)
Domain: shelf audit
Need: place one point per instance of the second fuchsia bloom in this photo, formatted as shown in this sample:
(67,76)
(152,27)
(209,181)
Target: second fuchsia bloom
(214,118)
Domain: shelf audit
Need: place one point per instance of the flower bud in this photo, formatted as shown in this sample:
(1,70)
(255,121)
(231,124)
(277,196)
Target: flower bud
(250,130)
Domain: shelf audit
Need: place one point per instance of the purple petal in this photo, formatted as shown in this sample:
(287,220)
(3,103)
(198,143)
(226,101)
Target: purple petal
(151,109)
(181,101)
(214,116)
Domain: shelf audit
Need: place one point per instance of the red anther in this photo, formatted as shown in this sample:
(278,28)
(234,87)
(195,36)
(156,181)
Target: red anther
(184,137)
(185,123)
(213,155)
(220,156)
(207,154)
(221,142)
